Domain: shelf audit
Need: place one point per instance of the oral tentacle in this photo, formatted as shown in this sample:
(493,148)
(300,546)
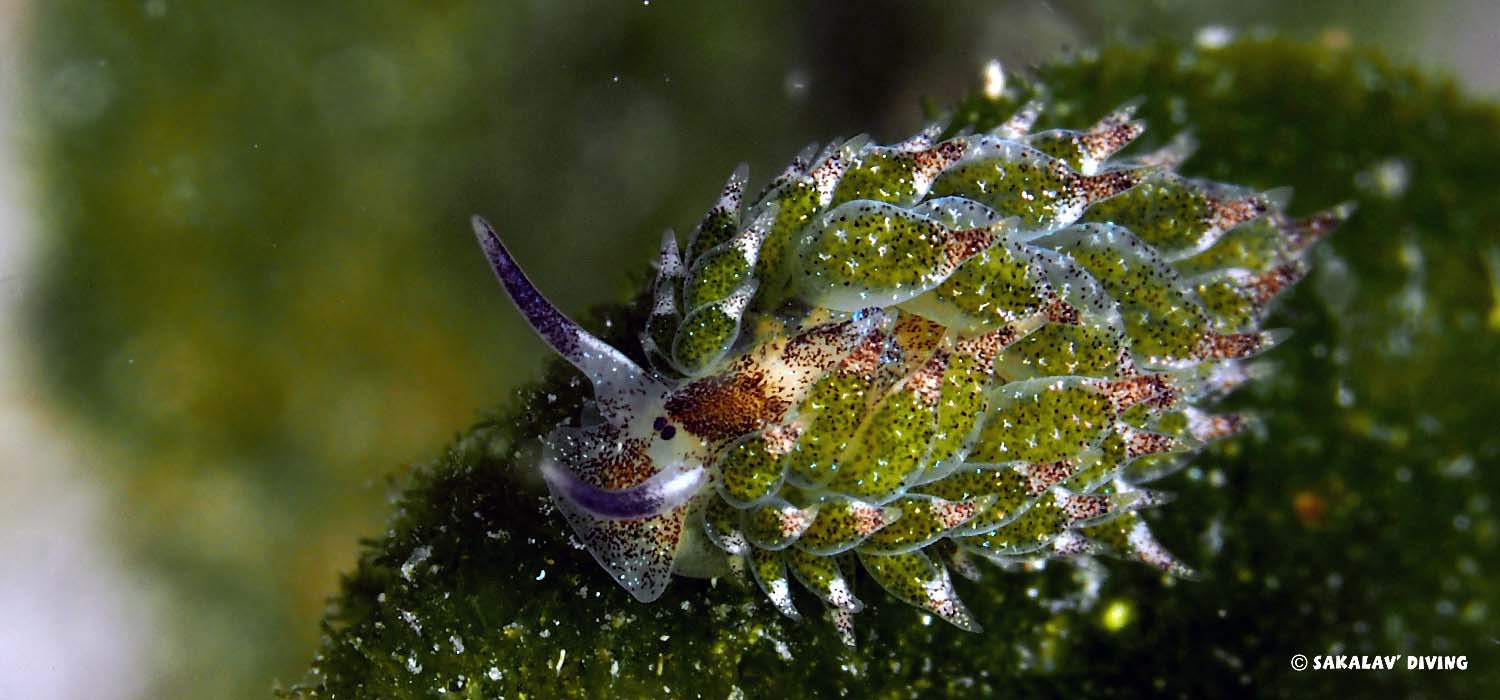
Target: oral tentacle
(665,491)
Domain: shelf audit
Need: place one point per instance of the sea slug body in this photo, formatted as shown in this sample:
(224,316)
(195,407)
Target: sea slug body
(899,359)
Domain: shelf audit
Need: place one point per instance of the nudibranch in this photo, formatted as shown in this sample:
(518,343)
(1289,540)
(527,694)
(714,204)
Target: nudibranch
(906,359)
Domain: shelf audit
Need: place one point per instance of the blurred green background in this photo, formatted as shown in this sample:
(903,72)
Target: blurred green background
(251,276)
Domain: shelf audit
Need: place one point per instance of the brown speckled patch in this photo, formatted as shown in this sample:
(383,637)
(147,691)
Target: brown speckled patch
(986,347)
(1209,428)
(1085,507)
(927,382)
(1217,346)
(1267,285)
(936,159)
(1110,135)
(1040,477)
(1225,214)
(962,245)
(1096,187)
(1151,389)
(1139,442)
(1059,311)
(724,407)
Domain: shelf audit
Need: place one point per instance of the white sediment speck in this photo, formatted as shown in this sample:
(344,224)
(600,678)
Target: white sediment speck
(795,83)
(418,555)
(994,79)
(1213,36)
(411,619)
(1387,178)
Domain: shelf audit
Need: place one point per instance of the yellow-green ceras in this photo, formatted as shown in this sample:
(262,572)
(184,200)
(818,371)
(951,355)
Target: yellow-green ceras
(901,359)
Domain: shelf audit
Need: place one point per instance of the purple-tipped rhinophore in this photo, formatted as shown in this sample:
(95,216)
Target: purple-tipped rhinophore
(614,376)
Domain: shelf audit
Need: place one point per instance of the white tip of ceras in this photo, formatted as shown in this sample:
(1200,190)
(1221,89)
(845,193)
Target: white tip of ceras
(736,303)
(1226,377)
(792,522)
(1207,427)
(1239,346)
(664,290)
(841,596)
(1071,544)
(1148,550)
(943,601)
(734,188)
(962,562)
(749,240)
(1109,135)
(801,163)
(1133,498)
(779,592)
(924,139)
(669,260)
(843,624)
(1273,337)
(831,163)
(1278,197)
(1301,233)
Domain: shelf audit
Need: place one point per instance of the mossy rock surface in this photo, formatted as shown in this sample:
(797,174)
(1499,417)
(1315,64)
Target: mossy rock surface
(1359,520)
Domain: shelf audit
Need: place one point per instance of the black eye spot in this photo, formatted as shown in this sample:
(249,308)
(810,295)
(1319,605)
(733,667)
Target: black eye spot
(668,432)
(659,424)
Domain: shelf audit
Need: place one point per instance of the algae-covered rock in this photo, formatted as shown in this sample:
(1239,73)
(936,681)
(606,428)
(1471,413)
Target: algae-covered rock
(1356,520)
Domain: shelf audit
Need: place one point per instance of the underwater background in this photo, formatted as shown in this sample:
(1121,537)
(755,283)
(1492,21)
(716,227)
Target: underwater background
(238,296)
